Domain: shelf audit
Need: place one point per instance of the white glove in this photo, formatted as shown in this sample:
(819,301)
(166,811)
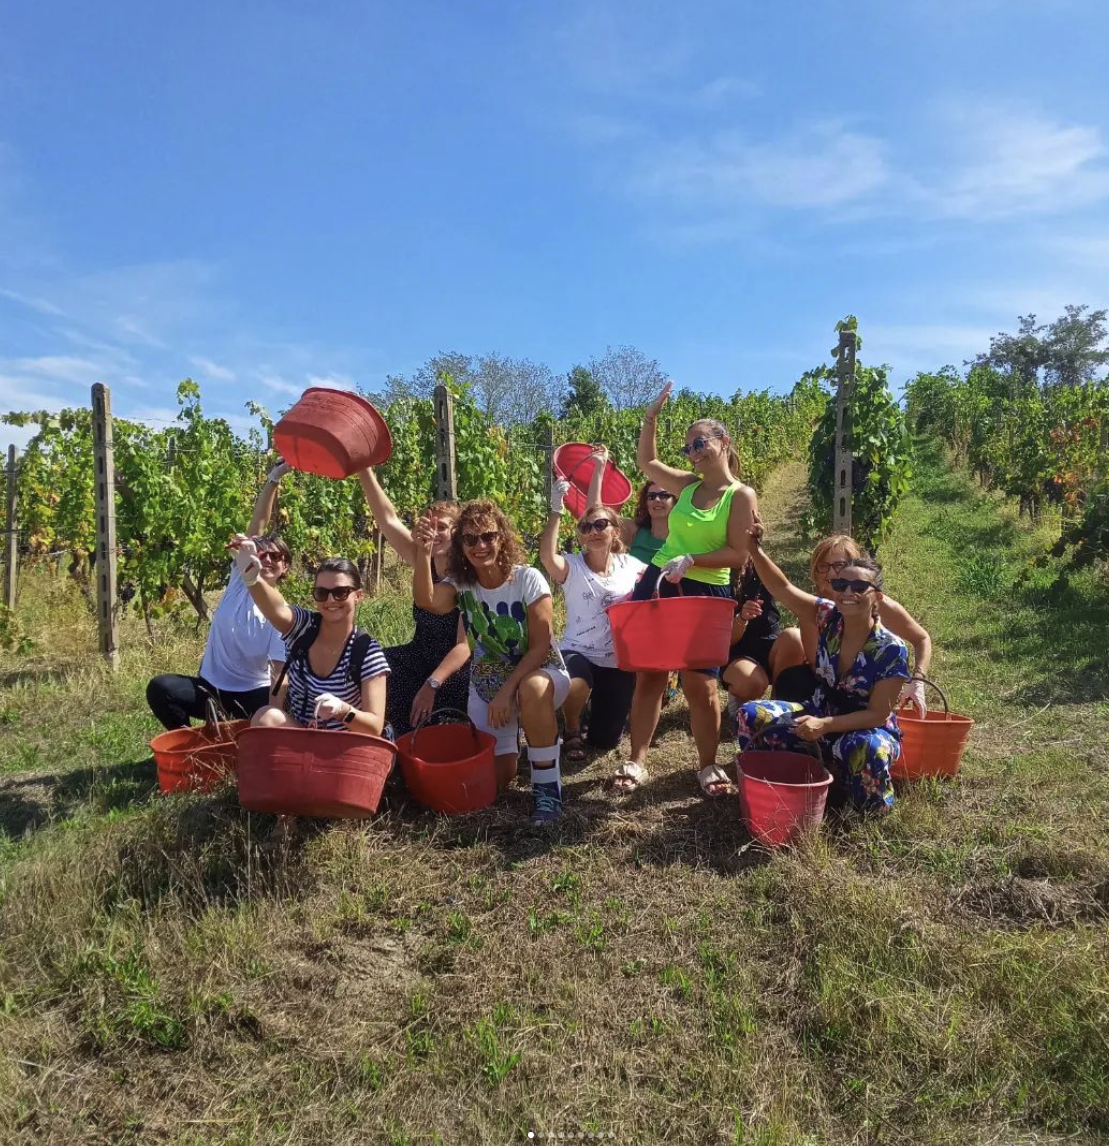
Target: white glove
(677,567)
(246,561)
(330,707)
(913,692)
(559,490)
(278,472)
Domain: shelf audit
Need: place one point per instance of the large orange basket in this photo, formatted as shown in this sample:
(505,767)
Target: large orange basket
(781,794)
(334,433)
(313,772)
(932,744)
(572,461)
(449,767)
(662,634)
(197,759)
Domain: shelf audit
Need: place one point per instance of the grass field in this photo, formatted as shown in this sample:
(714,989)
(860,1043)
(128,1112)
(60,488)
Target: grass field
(643,974)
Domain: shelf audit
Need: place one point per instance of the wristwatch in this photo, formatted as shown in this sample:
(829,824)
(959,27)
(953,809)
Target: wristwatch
(350,715)
(433,684)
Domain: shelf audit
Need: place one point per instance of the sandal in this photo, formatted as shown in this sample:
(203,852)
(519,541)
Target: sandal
(714,782)
(573,748)
(628,776)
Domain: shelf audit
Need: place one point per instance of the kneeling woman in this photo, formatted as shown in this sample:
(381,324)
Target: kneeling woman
(860,669)
(601,575)
(335,673)
(517,674)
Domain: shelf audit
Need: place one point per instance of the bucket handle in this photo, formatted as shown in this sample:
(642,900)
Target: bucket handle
(811,746)
(943,696)
(214,714)
(432,718)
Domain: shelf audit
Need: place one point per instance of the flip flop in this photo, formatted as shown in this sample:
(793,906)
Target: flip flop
(573,748)
(714,782)
(628,776)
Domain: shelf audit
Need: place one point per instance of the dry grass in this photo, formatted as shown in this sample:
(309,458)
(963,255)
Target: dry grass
(169,974)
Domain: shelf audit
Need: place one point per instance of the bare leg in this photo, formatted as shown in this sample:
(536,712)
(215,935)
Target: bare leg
(650,688)
(786,652)
(704,713)
(574,705)
(271,717)
(746,680)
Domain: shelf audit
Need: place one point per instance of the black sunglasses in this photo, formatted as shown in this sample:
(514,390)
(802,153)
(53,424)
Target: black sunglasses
(600,525)
(660,495)
(696,446)
(487,538)
(339,592)
(842,584)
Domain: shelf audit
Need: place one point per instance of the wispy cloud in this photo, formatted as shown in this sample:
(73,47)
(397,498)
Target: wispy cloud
(42,305)
(62,368)
(213,370)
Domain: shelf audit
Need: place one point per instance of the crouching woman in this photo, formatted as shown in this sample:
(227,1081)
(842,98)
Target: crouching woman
(335,673)
(860,670)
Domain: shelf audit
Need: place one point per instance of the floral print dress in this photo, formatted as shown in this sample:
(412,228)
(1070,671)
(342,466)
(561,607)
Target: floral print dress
(862,757)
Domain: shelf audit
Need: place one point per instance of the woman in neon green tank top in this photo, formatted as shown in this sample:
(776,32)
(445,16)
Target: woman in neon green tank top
(707,537)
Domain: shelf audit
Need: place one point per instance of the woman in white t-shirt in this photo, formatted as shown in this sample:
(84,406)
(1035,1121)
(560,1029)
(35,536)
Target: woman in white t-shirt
(244,650)
(517,675)
(601,575)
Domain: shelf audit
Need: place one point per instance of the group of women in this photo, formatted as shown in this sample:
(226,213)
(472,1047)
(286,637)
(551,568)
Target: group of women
(484,637)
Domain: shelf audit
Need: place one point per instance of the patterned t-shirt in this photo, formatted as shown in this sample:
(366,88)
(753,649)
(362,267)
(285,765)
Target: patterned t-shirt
(304,686)
(496,622)
(882,656)
(588,595)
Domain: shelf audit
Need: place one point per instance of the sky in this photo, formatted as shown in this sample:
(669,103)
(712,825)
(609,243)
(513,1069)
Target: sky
(266,196)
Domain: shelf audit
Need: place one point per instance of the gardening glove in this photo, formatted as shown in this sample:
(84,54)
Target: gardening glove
(676,568)
(559,490)
(913,692)
(246,561)
(330,707)
(278,472)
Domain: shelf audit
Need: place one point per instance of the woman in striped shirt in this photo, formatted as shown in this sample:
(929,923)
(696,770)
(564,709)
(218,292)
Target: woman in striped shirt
(336,677)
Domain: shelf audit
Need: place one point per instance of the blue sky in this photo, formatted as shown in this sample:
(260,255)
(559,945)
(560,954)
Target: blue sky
(262,195)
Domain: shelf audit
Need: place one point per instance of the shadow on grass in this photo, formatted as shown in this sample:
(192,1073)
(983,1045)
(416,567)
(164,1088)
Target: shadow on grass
(29,802)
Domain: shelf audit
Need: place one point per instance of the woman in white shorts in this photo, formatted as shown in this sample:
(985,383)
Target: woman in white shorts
(517,674)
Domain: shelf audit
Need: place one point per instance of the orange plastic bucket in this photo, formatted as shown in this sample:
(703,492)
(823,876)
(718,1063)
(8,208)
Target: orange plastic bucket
(572,462)
(932,744)
(781,794)
(196,759)
(662,634)
(312,772)
(449,767)
(334,433)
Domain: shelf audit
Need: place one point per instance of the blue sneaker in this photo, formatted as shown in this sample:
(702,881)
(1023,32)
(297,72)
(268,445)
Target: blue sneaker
(548,803)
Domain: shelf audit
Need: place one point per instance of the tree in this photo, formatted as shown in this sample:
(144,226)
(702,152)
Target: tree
(585,395)
(1067,352)
(628,376)
(508,390)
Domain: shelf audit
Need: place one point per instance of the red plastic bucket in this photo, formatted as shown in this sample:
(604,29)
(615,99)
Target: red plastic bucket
(449,767)
(334,433)
(781,794)
(196,759)
(662,634)
(572,462)
(932,744)
(311,772)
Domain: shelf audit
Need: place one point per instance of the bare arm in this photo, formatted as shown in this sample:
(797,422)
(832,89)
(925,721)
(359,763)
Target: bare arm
(883,696)
(552,560)
(385,514)
(272,606)
(540,630)
(424,700)
(370,717)
(646,455)
(902,624)
(436,598)
(782,589)
(267,495)
(741,516)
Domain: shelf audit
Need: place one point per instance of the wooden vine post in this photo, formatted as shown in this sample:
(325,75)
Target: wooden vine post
(845,385)
(103,461)
(548,467)
(446,484)
(11,533)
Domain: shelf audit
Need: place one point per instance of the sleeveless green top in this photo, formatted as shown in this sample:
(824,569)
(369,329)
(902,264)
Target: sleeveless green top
(694,531)
(645,545)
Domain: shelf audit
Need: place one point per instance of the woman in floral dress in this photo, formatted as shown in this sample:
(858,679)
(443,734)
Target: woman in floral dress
(860,669)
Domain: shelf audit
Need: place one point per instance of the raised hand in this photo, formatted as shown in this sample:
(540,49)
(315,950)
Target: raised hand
(278,472)
(559,490)
(424,534)
(246,559)
(656,406)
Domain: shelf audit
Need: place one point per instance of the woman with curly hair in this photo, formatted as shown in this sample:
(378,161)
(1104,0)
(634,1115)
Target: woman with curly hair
(517,674)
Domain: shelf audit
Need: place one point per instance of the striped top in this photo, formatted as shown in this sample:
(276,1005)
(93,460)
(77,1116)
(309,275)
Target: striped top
(304,686)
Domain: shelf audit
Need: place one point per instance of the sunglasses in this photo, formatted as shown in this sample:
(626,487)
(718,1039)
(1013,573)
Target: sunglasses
(339,592)
(661,494)
(696,446)
(842,584)
(826,567)
(471,540)
(600,525)
(269,555)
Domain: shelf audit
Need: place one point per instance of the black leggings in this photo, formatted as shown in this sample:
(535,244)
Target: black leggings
(610,699)
(175,700)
